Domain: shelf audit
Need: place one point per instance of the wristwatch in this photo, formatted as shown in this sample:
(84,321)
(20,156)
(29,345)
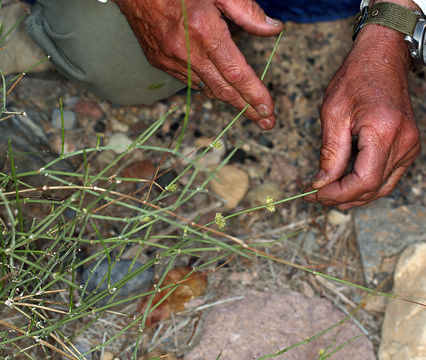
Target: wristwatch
(411,23)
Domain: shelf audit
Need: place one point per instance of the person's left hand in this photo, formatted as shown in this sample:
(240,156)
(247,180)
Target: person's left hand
(368,98)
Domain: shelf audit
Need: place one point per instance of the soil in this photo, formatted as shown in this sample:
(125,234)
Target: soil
(306,59)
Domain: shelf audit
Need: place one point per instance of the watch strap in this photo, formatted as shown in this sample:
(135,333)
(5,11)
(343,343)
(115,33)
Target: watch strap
(387,14)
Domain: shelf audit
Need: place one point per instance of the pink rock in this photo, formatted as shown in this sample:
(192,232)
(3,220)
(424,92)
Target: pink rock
(88,108)
(265,322)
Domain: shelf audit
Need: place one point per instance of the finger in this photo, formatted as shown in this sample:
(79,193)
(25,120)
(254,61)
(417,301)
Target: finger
(233,68)
(225,91)
(335,148)
(366,178)
(250,16)
(390,184)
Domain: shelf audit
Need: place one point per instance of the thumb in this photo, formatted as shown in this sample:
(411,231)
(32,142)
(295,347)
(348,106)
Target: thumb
(335,151)
(250,16)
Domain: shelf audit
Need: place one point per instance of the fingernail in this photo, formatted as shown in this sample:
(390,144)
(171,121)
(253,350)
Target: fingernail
(320,176)
(265,124)
(273,22)
(263,110)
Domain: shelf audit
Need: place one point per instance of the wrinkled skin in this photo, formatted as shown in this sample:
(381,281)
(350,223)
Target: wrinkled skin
(368,97)
(215,59)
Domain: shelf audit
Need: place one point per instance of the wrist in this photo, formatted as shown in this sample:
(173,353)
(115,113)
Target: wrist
(379,22)
(385,45)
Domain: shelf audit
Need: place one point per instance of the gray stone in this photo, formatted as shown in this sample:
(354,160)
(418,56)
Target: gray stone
(30,148)
(264,322)
(139,284)
(383,232)
(119,142)
(19,51)
(70,119)
(404,326)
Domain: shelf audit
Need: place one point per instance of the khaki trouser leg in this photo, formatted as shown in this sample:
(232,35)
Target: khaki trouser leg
(92,43)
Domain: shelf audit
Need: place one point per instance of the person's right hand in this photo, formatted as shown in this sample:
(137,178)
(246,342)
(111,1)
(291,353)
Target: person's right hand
(215,59)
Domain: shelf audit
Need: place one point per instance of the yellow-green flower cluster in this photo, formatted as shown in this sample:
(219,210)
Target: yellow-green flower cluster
(216,145)
(269,204)
(171,188)
(220,220)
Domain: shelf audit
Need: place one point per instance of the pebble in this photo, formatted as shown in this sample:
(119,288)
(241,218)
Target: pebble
(404,325)
(56,145)
(258,195)
(88,108)
(108,356)
(264,141)
(138,284)
(239,156)
(100,126)
(231,184)
(118,126)
(165,179)
(70,119)
(143,169)
(106,157)
(119,142)
(260,323)
(335,217)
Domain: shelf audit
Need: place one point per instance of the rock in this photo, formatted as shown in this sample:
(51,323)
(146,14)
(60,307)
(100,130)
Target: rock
(119,142)
(335,217)
(56,144)
(239,156)
(258,195)
(384,232)
(100,126)
(165,179)
(30,148)
(19,52)
(108,356)
(88,108)
(106,157)
(70,119)
(138,284)
(231,184)
(264,141)
(213,156)
(404,326)
(143,169)
(264,322)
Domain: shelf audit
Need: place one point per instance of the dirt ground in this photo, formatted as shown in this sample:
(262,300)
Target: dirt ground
(306,59)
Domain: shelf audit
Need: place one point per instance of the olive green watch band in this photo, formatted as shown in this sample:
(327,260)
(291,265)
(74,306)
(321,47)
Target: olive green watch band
(387,14)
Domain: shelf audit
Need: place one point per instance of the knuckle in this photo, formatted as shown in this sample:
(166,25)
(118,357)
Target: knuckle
(234,74)
(329,150)
(332,109)
(196,22)
(371,185)
(412,135)
(226,93)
